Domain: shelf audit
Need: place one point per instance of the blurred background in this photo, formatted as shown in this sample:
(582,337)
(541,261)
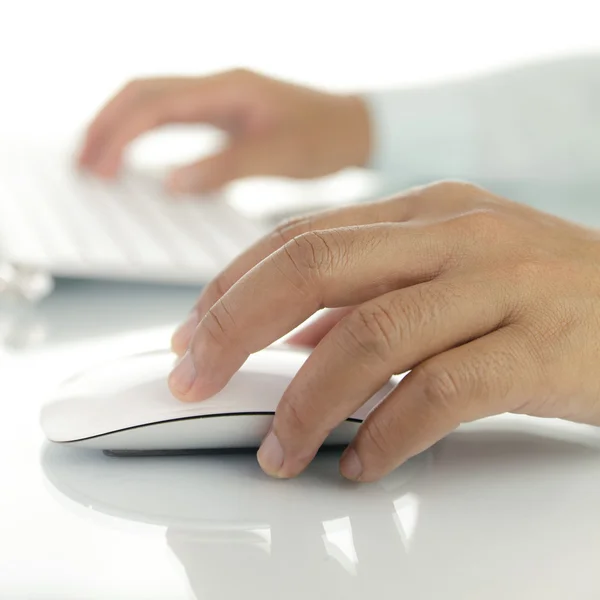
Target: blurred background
(61,60)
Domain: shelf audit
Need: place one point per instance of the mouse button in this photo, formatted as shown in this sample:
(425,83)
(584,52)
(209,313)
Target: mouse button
(277,361)
(248,391)
(118,376)
(78,416)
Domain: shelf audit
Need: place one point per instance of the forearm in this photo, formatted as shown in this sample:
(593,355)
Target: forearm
(538,122)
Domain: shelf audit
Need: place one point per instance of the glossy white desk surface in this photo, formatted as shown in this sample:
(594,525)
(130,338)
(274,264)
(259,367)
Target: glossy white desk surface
(503,510)
(507,508)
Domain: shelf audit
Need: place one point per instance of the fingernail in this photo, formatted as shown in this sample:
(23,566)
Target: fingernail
(183,375)
(183,334)
(270,455)
(185,180)
(350,465)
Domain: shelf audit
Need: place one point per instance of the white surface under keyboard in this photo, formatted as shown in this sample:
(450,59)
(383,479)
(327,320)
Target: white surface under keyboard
(71,224)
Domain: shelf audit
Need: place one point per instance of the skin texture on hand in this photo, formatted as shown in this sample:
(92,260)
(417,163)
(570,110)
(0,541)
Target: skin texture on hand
(492,306)
(273,128)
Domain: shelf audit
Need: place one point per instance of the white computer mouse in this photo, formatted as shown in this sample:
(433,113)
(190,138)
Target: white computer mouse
(126,406)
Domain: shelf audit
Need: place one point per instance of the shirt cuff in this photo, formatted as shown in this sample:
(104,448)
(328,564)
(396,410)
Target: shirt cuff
(421,134)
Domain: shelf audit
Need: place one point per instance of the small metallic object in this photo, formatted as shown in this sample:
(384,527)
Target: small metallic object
(24,282)
(21,289)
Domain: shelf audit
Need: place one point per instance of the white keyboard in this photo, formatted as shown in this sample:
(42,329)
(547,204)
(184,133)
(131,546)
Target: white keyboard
(54,219)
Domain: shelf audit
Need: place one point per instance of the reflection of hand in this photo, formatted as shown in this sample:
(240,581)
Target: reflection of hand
(274,128)
(494,306)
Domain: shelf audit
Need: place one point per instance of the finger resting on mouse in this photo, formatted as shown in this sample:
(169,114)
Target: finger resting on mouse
(319,269)
(285,233)
(388,335)
(434,399)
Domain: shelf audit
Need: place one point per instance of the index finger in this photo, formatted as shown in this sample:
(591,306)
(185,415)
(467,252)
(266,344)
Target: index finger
(313,271)
(439,199)
(362,214)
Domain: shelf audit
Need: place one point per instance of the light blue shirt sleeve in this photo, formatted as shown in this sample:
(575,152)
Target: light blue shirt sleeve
(535,122)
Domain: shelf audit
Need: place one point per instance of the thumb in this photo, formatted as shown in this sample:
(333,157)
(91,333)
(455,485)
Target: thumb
(240,159)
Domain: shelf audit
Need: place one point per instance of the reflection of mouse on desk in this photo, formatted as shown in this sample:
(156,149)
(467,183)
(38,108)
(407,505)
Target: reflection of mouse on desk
(126,406)
(325,535)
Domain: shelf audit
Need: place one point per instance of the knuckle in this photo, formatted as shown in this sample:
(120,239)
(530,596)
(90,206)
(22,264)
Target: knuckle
(241,74)
(289,229)
(217,324)
(149,116)
(154,113)
(371,330)
(311,252)
(484,222)
(134,87)
(404,206)
(450,196)
(454,188)
(412,311)
(439,387)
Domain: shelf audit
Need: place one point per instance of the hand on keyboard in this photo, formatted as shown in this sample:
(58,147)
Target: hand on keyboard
(274,128)
(56,221)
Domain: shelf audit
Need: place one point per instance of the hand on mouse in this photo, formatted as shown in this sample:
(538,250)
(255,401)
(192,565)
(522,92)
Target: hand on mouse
(493,306)
(274,128)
